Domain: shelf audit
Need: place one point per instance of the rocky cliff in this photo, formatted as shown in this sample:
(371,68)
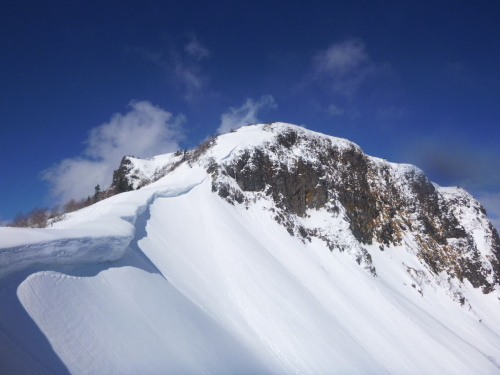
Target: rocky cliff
(370,202)
(270,249)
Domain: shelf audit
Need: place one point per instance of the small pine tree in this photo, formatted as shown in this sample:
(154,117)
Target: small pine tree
(97,194)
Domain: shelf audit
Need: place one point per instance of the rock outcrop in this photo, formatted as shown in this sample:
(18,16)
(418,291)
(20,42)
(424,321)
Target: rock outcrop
(384,203)
(122,175)
(370,203)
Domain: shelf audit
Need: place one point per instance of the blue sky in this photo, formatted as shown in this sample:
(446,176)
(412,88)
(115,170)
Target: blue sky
(84,82)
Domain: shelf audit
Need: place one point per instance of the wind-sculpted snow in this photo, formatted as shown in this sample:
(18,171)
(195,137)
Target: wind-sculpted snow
(239,294)
(317,259)
(64,251)
(87,242)
(96,234)
(128,321)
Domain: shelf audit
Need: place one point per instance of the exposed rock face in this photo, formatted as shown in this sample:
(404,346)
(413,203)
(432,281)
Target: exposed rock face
(121,176)
(384,203)
(368,203)
(133,173)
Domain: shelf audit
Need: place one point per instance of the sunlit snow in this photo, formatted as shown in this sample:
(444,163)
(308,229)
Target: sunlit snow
(173,279)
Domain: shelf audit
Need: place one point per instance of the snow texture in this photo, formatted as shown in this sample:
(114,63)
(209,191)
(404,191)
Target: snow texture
(173,279)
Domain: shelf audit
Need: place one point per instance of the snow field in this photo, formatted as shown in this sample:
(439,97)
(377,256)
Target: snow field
(191,284)
(128,321)
(266,298)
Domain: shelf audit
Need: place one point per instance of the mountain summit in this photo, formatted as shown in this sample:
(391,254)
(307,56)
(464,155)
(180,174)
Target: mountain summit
(270,249)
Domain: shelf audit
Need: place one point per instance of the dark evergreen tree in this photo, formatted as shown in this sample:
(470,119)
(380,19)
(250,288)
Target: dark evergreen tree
(97,194)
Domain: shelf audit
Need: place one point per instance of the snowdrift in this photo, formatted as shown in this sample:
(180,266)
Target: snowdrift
(171,278)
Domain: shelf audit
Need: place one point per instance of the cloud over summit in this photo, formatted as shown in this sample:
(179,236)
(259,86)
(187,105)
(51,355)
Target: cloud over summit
(146,130)
(246,114)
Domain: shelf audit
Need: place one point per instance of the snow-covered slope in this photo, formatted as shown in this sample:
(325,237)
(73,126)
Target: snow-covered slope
(260,252)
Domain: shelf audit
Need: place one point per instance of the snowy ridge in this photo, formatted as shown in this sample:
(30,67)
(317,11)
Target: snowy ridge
(392,204)
(272,249)
(98,233)
(144,171)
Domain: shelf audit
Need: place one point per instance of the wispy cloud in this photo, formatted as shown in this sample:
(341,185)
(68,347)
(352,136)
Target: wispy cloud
(341,58)
(246,114)
(196,50)
(189,77)
(344,81)
(335,110)
(183,65)
(146,130)
(187,70)
(344,66)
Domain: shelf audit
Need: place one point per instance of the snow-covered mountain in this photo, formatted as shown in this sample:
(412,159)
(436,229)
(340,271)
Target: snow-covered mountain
(271,249)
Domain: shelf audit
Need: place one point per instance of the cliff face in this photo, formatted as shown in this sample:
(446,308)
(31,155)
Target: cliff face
(368,204)
(273,249)
(390,205)
(134,173)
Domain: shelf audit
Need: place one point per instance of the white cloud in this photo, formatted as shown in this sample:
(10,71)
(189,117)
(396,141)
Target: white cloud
(146,130)
(244,115)
(342,58)
(344,67)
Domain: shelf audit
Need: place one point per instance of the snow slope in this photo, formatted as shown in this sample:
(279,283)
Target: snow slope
(173,279)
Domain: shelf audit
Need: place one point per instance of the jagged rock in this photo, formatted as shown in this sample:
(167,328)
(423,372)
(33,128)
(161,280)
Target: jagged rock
(371,201)
(121,176)
(382,201)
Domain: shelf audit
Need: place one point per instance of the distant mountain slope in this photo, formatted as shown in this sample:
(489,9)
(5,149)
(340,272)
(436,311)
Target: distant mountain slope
(271,249)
